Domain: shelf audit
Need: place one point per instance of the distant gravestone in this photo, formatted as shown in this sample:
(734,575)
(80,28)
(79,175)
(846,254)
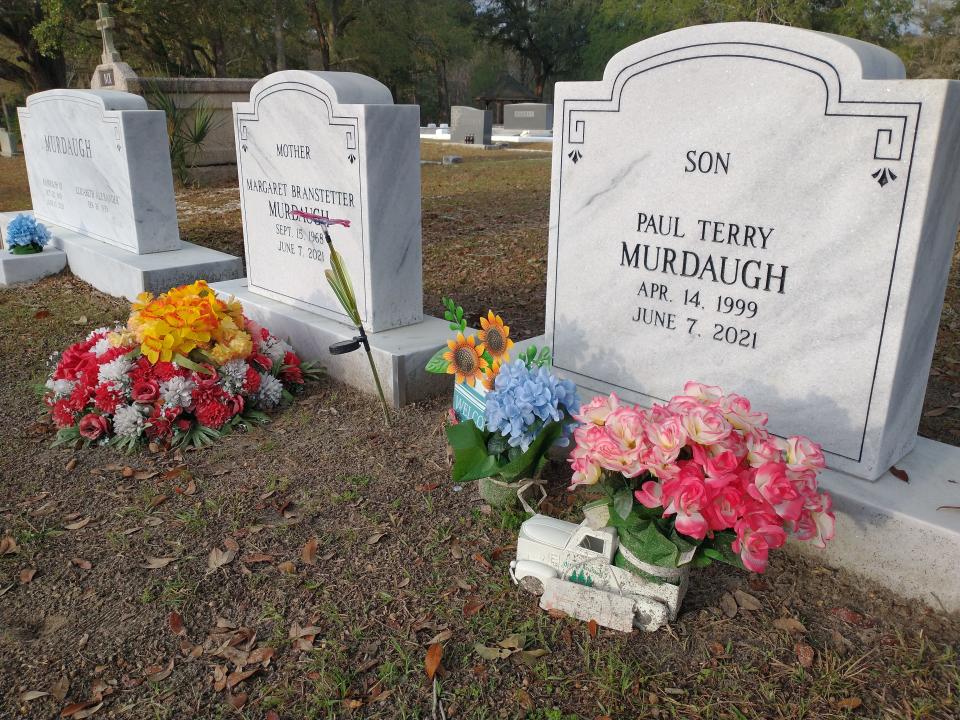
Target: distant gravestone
(98,164)
(470,126)
(762,208)
(528,116)
(331,144)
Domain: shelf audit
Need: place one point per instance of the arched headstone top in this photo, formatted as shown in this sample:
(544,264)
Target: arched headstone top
(848,57)
(106,99)
(343,88)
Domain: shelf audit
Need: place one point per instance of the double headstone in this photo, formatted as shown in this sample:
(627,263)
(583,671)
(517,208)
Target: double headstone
(470,126)
(333,144)
(762,208)
(100,179)
(528,116)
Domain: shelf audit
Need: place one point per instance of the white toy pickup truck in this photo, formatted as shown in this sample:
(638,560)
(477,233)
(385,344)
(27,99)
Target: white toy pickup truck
(571,568)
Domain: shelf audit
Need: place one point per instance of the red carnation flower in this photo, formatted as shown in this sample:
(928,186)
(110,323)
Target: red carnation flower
(79,397)
(183,424)
(165,370)
(145,391)
(112,354)
(141,370)
(158,427)
(107,396)
(62,415)
(213,414)
(251,383)
(93,426)
(75,361)
(262,360)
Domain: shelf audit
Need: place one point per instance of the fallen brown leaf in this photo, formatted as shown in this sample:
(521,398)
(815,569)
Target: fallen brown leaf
(26,575)
(154,563)
(592,627)
(728,605)
(78,524)
(8,546)
(482,562)
(71,464)
(254,558)
(852,617)
(746,600)
(375,538)
(29,695)
(850,703)
(157,673)
(218,558)
(287,568)
(237,677)
(81,563)
(790,625)
(472,606)
(805,654)
(523,697)
(432,661)
(237,701)
(309,552)
(900,474)
(440,637)
(61,688)
(175,621)
(262,656)
(230,544)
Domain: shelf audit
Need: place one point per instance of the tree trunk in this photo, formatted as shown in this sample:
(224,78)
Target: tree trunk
(279,43)
(443,93)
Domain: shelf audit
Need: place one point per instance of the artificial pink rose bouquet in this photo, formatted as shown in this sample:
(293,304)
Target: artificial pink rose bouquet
(698,479)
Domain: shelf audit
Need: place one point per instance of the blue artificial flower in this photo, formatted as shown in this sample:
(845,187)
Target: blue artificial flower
(524,400)
(24,230)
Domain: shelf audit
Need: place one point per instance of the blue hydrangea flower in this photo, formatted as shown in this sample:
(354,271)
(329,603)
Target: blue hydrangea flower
(24,230)
(525,399)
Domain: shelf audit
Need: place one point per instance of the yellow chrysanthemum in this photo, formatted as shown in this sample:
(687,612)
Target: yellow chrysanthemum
(495,337)
(465,359)
(186,318)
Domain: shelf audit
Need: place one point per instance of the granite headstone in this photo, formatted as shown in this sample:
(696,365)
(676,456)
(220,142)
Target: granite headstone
(98,164)
(763,208)
(470,126)
(528,116)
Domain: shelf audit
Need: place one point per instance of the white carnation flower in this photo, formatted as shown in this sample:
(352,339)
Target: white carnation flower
(177,391)
(128,421)
(101,346)
(232,375)
(61,388)
(270,392)
(275,349)
(98,331)
(114,371)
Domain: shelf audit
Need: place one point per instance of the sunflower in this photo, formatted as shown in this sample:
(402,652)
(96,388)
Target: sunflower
(495,337)
(490,376)
(465,359)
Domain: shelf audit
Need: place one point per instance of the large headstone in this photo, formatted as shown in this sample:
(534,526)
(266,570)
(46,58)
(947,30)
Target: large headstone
(528,116)
(98,164)
(334,144)
(762,208)
(331,144)
(470,126)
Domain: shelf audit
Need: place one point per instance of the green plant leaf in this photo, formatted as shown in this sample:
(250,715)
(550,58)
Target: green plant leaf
(437,364)
(651,546)
(527,463)
(471,459)
(186,362)
(623,502)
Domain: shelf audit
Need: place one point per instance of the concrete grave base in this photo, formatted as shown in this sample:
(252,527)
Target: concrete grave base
(121,273)
(902,535)
(400,354)
(20,269)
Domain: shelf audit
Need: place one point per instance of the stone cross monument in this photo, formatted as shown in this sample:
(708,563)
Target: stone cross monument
(112,72)
(105,25)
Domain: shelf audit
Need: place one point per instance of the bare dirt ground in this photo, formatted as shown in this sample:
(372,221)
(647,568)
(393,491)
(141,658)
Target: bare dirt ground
(343,549)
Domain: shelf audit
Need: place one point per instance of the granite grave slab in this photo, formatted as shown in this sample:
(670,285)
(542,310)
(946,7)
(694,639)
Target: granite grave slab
(470,125)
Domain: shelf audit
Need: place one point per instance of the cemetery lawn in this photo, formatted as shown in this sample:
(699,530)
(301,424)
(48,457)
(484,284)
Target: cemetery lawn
(342,550)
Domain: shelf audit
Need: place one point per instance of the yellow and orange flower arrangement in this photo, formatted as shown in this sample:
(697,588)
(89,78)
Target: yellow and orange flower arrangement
(475,358)
(184,319)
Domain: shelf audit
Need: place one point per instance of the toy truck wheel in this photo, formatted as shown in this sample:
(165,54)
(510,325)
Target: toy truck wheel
(532,584)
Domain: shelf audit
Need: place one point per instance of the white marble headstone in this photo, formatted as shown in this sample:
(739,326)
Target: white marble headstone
(98,163)
(333,144)
(763,208)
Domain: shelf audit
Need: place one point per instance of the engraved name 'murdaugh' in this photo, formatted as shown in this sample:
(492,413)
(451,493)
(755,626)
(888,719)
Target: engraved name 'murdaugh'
(62,145)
